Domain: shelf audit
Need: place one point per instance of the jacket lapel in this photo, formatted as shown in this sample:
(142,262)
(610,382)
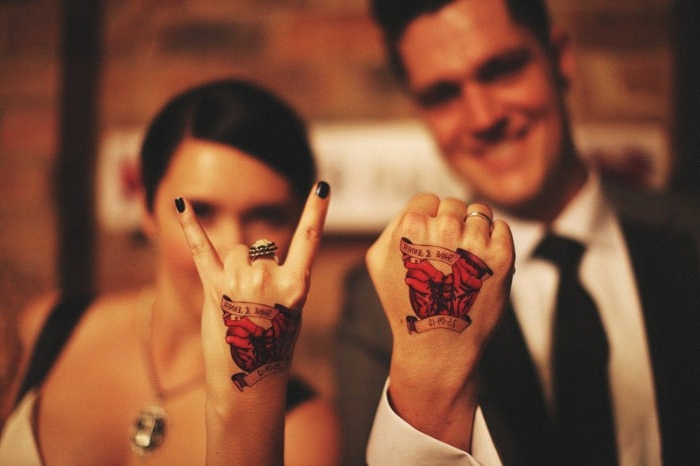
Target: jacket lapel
(669,286)
(511,398)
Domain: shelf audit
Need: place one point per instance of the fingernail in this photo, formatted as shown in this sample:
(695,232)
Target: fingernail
(322,189)
(180,204)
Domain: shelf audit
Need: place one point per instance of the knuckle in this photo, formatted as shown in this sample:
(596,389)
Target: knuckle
(293,289)
(296,289)
(198,247)
(413,223)
(260,277)
(312,232)
(450,228)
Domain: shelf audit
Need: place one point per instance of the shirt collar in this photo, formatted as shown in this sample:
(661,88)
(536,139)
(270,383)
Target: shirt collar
(583,219)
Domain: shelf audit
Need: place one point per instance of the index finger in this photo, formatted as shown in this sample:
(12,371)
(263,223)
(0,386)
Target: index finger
(307,237)
(206,259)
(424,203)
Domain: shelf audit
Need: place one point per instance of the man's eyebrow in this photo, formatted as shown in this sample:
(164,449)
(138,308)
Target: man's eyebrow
(504,63)
(499,65)
(436,93)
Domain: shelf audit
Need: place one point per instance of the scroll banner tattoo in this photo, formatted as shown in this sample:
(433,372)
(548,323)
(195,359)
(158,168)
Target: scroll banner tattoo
(257,350)
(441,300)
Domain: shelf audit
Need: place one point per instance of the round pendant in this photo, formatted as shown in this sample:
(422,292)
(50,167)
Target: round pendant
(148,430)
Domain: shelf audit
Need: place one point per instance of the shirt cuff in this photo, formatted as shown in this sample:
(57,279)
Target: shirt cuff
(394,441)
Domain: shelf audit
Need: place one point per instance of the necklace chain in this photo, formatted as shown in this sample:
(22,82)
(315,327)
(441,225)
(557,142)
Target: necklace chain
(150,428)
(162,395)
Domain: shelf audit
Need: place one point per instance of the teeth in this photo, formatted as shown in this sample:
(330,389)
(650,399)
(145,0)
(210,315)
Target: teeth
(503,149)
(495,150)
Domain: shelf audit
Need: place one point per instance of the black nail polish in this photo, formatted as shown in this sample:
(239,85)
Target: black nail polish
(180,204)
(322,189)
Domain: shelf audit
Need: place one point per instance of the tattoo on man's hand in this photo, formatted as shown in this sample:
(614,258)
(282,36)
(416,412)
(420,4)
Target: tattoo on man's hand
(441,300)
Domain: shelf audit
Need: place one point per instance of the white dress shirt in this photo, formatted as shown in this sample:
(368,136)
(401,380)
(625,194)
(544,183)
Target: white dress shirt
(607,274)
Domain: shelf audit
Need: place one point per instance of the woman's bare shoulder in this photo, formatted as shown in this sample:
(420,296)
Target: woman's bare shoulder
(32,318)
(28,324)
(110,316)
(104,307)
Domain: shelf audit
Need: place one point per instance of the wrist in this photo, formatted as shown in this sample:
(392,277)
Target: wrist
(442,413)
(450,360)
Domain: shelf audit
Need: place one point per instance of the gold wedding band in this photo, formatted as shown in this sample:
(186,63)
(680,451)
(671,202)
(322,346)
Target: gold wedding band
(476,213)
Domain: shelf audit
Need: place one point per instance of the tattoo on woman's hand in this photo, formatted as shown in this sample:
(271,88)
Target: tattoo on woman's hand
(258,350)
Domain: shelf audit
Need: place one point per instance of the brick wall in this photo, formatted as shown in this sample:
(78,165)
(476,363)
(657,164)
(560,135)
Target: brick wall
(324,56)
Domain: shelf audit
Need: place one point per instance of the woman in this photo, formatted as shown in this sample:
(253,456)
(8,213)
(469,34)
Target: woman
(147,375)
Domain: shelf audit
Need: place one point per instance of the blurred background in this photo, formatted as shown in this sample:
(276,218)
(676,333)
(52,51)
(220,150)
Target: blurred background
(79,79)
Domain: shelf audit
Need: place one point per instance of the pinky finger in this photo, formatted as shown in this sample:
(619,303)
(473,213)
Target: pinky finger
(502,239)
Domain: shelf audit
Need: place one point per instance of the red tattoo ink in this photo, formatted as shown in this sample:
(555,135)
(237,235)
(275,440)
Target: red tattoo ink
(441,300)
(258,350)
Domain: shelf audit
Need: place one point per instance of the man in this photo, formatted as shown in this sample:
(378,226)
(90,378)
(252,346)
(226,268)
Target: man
(489,78)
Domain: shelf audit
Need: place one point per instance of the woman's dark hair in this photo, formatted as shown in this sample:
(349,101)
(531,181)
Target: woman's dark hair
(235,113)
(394,16)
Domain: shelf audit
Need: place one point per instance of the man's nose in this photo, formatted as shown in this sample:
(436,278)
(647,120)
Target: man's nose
(481,114)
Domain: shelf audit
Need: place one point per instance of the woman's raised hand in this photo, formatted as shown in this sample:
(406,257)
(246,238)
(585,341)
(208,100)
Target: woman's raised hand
(252,305)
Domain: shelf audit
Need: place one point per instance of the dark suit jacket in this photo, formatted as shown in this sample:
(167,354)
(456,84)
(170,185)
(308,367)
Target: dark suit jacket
(666,270)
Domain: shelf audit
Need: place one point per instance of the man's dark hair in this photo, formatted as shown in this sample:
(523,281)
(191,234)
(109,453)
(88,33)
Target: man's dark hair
(394,16)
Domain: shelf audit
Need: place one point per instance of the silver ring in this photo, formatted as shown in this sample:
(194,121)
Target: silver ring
(263,248)
(476,213)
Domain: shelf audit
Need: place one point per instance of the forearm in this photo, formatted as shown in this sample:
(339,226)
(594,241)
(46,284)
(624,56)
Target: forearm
(394,441)
(247,427)
(441,407)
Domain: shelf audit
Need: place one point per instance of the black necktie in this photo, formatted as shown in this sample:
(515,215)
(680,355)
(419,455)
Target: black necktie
(583,422)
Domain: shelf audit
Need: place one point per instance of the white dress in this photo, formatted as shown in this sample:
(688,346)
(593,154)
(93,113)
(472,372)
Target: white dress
(18,446)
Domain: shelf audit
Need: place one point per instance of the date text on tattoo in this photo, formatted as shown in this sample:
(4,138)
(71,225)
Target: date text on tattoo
(258,350)
(441,300)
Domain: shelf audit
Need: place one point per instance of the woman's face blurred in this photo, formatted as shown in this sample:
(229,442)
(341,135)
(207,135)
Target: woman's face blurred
(237,198)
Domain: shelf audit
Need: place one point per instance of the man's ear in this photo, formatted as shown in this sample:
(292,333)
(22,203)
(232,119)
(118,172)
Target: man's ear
(563,56)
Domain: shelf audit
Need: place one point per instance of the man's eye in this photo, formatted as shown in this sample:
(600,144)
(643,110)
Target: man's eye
(438,94)
(504,67)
